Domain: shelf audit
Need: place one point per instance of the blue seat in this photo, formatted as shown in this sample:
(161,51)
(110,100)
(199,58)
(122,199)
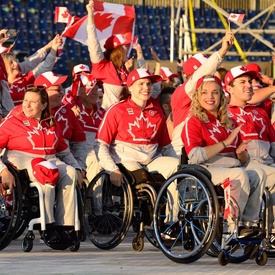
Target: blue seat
(139,9)
(8,22)
(164,55)
(149,10)
(251,13)
(32,4)
(69,5)
(78,7)
(16,3)
(45,24)
(46,35)
(19,45)
(165,30)
(253,58)
(158,50)
(157,40)
(33,35)
(139,19)
(32,23)
(163,20)
(196,13)
(160,10)
(143,29)
(166,41)
(207,12)
(145,40)
(151,19)
(46,14)
(153,30)
(146,53)
(208,22)
(19,23)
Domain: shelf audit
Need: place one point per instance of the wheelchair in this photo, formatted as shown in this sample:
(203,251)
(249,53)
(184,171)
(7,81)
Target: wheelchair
(28,211)
(228,246)
(109,211)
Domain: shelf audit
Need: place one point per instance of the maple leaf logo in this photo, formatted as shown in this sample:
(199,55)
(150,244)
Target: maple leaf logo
(104,20)
(38,142)
(142,129)
(65,14)
(62,121)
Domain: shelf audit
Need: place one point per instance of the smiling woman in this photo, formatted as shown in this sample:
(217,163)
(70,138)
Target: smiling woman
(140,139)
(34,103)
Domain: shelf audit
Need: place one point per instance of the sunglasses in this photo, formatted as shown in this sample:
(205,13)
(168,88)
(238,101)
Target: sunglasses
(32,87)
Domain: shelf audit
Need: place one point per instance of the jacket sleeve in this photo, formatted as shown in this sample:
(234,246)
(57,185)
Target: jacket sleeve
(102,150)
(33,61)
(45,66)
(209,67)
(95,51)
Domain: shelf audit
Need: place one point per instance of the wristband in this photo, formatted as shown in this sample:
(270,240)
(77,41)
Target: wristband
(224,146)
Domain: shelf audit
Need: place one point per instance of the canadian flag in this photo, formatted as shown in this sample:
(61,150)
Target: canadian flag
(62,15)
(236,17)
(109,19)
(226,189)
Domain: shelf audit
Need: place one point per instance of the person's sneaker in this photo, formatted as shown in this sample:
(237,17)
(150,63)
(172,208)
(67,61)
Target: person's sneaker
(248,232)
(272,240)
(170,233)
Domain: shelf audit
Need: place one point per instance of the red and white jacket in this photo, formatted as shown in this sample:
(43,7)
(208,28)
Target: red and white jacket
(197,134)
(257,128)
(72,132)
(128,133)
(26,138)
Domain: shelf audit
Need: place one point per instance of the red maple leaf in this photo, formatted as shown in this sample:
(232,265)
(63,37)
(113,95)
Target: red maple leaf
(103,20)
(65,14)
(137,129)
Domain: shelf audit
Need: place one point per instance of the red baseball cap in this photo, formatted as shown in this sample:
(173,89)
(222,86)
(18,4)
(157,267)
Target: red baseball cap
(237,72)
(208,79)
(166,73)
(49,79)
(256,68)
(80,68)
(140,74)
(44,171)
(193,63)
(115,41)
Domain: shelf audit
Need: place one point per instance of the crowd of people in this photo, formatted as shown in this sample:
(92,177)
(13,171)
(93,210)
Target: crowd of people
(113,113)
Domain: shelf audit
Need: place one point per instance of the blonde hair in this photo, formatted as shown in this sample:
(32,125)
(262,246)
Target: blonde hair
(222,113)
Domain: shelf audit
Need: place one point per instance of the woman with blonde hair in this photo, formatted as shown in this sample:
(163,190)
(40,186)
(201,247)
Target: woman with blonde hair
(211,140)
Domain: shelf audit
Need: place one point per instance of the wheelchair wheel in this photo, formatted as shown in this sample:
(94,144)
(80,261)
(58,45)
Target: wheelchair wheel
(185,216)
(10,210)
(108,211)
